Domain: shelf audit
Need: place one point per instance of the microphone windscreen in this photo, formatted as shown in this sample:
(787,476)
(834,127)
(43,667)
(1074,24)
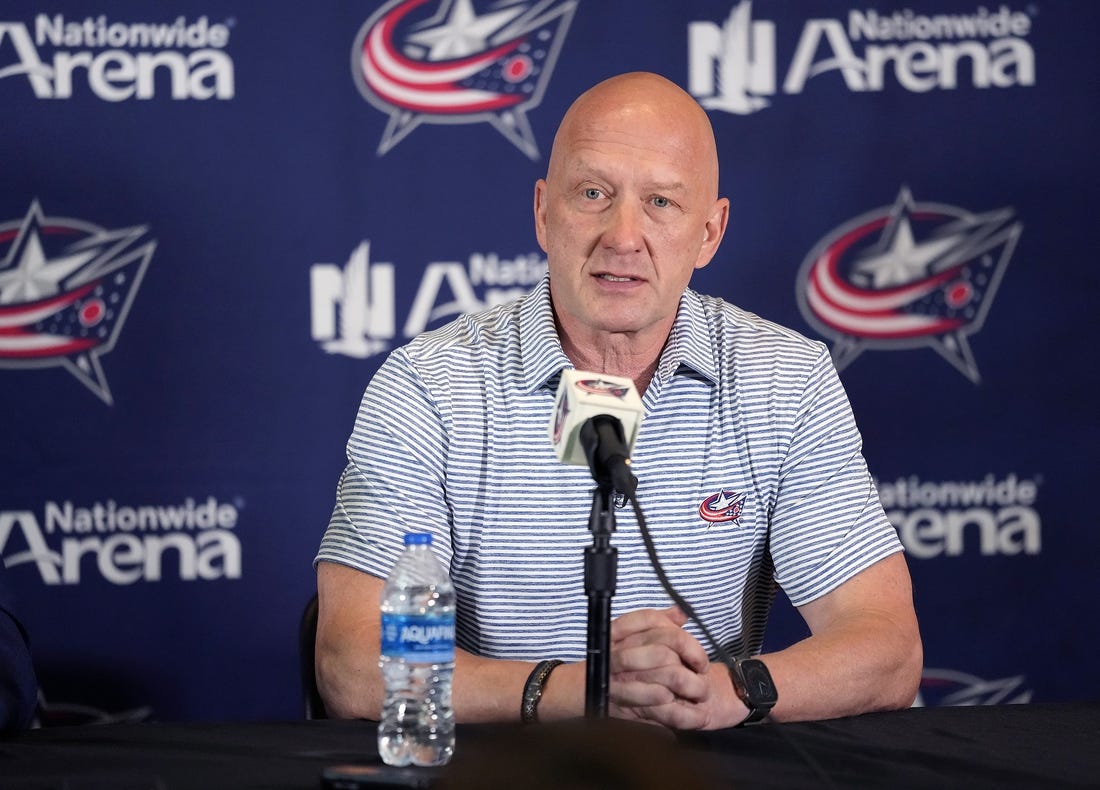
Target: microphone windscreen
(583,395)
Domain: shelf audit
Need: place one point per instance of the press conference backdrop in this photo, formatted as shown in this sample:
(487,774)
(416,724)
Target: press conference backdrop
(218,217)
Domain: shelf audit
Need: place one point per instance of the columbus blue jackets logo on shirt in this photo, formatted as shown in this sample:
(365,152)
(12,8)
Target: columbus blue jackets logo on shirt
(66,287)
(908,275)
(726,505)
(424,61)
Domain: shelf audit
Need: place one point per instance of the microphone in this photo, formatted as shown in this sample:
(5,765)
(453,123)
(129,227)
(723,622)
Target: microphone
(595,423)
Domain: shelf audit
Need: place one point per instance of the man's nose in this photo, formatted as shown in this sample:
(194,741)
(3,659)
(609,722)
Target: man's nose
(623,232)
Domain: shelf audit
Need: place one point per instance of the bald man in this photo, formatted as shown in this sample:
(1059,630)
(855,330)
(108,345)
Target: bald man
(450,439)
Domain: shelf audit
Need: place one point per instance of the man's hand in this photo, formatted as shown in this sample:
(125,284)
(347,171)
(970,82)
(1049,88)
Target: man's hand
(660,673)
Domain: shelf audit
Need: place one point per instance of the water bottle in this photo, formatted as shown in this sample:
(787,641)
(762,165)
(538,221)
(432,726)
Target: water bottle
(417,659)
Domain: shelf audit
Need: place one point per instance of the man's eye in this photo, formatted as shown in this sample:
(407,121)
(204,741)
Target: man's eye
(661,202)
(592,193)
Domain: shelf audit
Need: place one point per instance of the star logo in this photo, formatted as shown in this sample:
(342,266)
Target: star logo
(462,33)
(66,287)
(456,66)
(603,387)
(724,506)
(559,419)
(947,687)
(905,276)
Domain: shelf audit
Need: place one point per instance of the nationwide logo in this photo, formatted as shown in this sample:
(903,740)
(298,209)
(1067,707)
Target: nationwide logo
(724,506)
(118,60)
(422,61)
(66,287)
(905,276)
(732,66)
(996,516)
(354,308)
(124,543)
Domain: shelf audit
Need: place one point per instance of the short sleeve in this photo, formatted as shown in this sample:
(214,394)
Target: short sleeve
(394,481)
(828,523)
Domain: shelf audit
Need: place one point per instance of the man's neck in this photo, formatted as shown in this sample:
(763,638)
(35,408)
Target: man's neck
(617,354)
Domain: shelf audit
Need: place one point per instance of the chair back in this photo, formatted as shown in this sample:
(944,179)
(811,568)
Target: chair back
(313,705)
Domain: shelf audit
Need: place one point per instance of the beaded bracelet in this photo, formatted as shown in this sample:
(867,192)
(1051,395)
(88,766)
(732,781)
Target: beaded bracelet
(533,688)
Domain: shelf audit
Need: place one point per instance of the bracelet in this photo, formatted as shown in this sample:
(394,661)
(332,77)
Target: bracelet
(533,688)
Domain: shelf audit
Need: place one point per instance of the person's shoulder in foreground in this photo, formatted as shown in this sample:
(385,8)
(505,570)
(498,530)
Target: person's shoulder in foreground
(18,684)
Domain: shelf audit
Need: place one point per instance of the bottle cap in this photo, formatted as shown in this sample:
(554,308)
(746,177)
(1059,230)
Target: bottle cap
(418,539)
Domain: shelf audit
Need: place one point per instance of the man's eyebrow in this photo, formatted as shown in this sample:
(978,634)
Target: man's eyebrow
(667,186)
(583,169)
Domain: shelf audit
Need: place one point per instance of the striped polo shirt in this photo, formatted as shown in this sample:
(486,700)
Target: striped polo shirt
(750,469)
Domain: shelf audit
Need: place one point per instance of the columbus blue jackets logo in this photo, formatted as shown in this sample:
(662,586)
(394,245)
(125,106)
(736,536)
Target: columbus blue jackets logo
(726,505)
(425,61)
(948,687)
(905,276)
(66,287)
(559,419)
(603,387)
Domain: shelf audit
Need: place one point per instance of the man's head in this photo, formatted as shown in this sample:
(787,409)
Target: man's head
(629,208)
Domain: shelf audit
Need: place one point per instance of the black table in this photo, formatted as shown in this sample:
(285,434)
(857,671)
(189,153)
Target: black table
(1032,746)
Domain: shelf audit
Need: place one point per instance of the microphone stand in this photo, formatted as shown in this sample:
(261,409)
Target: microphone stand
(604,447)
(600,570)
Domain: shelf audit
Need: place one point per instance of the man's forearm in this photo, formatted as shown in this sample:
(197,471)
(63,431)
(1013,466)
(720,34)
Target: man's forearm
(487,689)
(865,653)
(350,681)
(350,686)
(859,668)
(484,689)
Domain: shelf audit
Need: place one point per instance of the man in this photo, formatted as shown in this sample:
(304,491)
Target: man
(450,439)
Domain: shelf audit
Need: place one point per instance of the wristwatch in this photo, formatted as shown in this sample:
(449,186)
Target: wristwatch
(753,684)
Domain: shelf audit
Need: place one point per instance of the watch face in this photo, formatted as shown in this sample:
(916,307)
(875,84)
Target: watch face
(758,683)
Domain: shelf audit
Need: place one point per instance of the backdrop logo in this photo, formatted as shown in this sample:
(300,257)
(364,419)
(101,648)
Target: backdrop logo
(124,543)
(422,61)
(354,308)
(66,287)
(947,518)
(118,60)
(945,687)
(732,65)
(905,276)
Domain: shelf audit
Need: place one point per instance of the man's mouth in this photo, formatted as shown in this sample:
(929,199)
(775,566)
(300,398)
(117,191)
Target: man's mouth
(615,279)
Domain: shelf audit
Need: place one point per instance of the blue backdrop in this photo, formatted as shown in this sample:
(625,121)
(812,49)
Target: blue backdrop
(217,217)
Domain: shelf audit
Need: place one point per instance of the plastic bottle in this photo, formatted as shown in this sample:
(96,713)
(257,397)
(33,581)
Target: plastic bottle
(417,658)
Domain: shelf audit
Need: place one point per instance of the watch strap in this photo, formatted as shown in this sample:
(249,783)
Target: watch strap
(755,715)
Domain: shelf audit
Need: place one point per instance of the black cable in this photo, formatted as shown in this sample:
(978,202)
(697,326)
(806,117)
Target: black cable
(725,657)
(678,599)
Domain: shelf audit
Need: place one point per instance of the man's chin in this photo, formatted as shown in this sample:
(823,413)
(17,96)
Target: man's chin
(610,323)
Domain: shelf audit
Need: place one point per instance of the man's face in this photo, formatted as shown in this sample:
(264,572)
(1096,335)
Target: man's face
(626,214)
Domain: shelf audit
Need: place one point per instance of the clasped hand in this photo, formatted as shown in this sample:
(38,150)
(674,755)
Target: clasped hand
(661,674)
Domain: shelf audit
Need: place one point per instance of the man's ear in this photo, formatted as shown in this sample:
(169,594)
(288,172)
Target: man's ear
(540,212)
(713,231)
